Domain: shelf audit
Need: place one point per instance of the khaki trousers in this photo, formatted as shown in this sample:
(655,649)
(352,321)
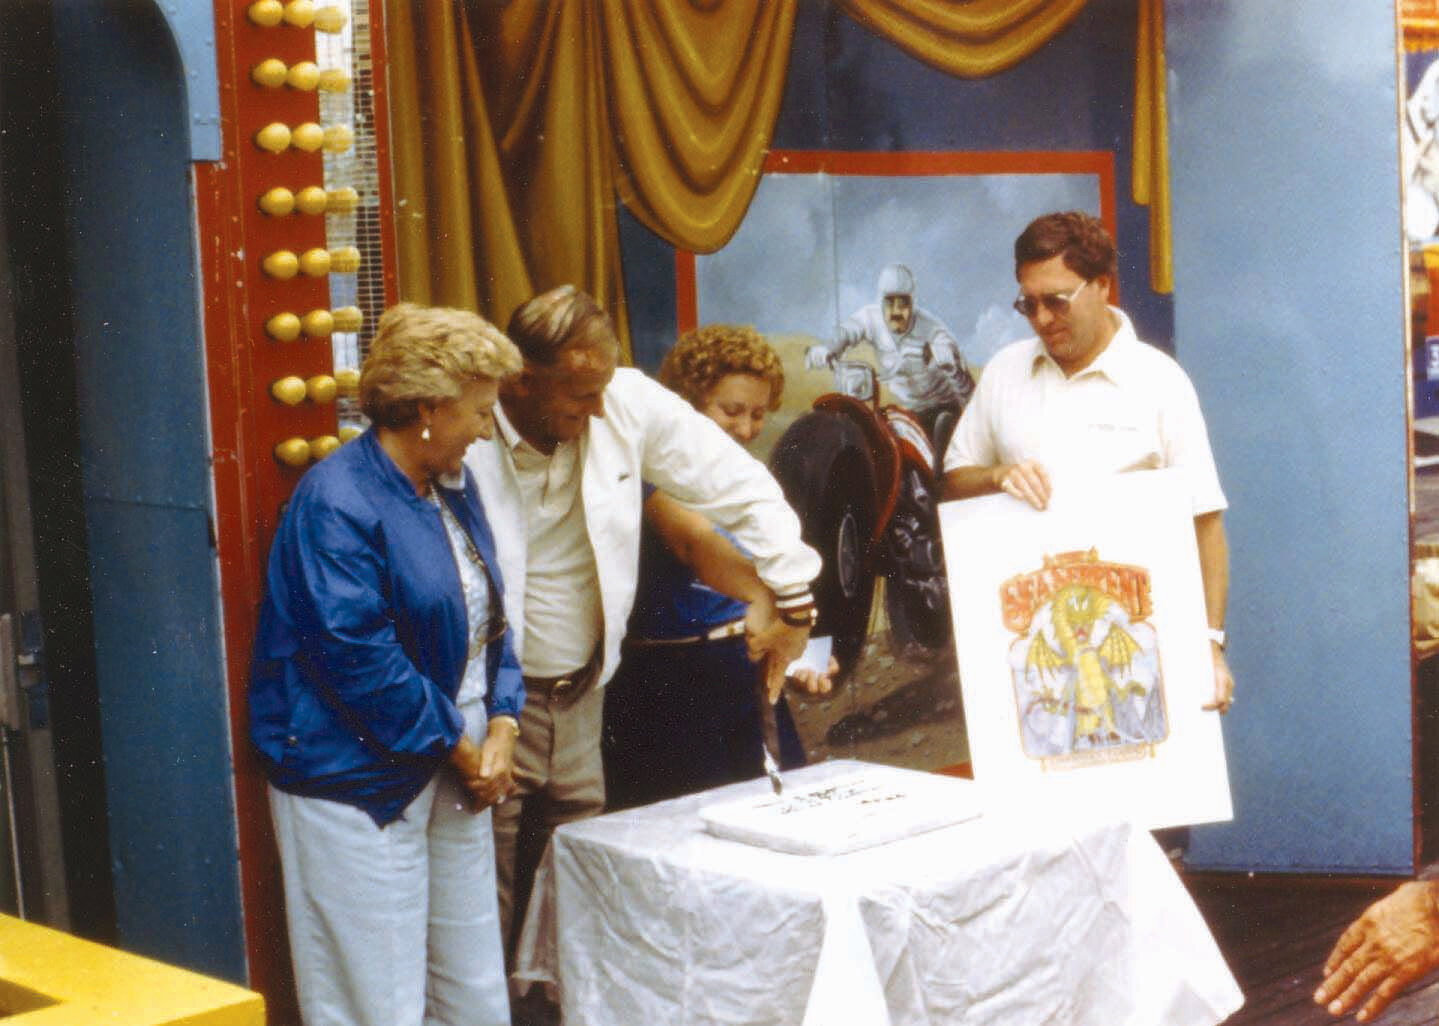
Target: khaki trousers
(560,778)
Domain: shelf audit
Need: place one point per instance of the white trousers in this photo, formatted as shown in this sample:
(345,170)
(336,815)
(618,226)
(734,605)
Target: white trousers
(394,927)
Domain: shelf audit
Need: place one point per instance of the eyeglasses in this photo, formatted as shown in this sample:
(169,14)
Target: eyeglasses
(1055,302)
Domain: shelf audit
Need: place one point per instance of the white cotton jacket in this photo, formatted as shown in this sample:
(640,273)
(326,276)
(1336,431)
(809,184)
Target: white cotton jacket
(649,434)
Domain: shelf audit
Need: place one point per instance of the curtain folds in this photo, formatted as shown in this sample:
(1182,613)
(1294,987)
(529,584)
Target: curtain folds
(696,91)
(1149,181)
(516,126)
(971,38)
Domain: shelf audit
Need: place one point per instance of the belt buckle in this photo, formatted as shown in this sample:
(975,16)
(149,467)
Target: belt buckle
(561,684)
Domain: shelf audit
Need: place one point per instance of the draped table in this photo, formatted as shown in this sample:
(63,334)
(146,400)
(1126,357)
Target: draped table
(1034,915)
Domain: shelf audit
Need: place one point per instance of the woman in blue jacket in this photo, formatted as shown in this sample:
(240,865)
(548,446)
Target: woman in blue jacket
(385,694)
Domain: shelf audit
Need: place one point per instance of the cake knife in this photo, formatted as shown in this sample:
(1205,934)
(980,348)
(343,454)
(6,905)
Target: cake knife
(768,727)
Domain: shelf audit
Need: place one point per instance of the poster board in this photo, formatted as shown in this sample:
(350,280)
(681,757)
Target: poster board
(1082,648)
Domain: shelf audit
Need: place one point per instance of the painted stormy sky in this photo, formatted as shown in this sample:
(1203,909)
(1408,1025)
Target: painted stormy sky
(812,245)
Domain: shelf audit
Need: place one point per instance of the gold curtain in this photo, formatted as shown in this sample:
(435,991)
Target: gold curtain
(1150,178)
(515,126)
(972,38)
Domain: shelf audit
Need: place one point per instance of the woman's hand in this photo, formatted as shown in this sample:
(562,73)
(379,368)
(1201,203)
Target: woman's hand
(497,759)
(487,770)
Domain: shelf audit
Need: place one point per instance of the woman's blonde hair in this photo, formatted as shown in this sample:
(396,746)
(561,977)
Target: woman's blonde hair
(428,354)
(702,358)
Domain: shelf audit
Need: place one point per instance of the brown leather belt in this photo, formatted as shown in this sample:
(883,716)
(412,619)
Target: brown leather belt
(567,687)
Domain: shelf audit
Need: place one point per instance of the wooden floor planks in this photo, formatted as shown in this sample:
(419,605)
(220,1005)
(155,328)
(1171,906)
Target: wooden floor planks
(1275,934)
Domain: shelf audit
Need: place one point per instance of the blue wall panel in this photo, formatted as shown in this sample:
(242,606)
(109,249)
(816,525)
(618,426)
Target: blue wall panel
(143,434)
(1289,317)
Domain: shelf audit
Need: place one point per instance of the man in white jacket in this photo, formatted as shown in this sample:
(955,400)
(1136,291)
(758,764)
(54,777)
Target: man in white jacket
(561,484)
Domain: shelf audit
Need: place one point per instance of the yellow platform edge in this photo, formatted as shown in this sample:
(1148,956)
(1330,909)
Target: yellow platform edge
(49,978)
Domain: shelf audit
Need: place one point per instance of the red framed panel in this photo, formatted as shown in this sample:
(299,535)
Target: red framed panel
(246,421)
(915,164)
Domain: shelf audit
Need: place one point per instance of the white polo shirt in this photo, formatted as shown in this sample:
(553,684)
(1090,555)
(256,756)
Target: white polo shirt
(562,596)
(1133,408)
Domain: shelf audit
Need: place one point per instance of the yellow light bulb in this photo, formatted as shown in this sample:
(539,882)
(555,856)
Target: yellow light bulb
(321,388)
(266,13)
(345,260)
(323,446)
(315,262)
(283,327)
(347,318)
(269,73)
(312,200)
(289,390)
(307,136)
(343,200)
(274,137)
(330,19)
(299,13)
(317,323)
(281,264)
(335,80)
(278,201)
(347,381)
(303,76)
(339,138)
(293,452)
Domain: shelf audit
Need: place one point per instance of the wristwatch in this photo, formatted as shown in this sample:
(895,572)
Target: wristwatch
(1216,635)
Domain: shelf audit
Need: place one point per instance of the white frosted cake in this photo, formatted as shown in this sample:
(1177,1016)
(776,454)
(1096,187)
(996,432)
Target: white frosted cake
(861,808)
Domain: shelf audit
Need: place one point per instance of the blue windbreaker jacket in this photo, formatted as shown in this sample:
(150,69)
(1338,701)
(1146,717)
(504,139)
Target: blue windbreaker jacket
(363,635)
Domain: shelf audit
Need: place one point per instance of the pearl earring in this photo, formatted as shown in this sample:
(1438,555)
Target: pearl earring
(425,434)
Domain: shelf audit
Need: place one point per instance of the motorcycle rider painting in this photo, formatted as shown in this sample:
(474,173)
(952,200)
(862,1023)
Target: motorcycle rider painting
(919,359)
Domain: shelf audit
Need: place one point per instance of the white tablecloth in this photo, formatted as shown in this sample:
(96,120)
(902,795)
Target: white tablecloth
(1023,917)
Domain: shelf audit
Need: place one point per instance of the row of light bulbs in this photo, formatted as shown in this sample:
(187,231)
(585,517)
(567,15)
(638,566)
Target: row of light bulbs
(272,73)
(287,326)
(284,264)
(296,14)
(279,201)
(297,451)
(277,137)
(321,388)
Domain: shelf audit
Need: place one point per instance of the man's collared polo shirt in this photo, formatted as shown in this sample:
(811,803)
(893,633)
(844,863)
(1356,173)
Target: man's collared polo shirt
(1133,408)
(562,596)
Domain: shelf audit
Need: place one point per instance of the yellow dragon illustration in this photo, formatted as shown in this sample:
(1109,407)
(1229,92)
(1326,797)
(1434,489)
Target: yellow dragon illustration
(1075,610)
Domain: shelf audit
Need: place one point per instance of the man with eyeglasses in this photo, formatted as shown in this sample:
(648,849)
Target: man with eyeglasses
(1086,396)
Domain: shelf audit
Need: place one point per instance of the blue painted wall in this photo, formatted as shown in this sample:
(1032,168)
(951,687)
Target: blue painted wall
(143,434)
(1289,316)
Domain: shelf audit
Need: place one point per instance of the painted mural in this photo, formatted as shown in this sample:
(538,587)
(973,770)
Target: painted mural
(885,283)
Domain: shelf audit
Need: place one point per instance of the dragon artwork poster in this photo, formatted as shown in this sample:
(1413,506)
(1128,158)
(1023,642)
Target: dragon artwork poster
(1088,686)
(1083,652)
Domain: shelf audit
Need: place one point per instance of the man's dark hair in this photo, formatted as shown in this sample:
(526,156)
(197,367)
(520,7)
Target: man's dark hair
(555,319)
(1086,246)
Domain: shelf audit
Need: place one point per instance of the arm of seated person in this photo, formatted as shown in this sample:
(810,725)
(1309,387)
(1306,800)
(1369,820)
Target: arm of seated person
(1393,944)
